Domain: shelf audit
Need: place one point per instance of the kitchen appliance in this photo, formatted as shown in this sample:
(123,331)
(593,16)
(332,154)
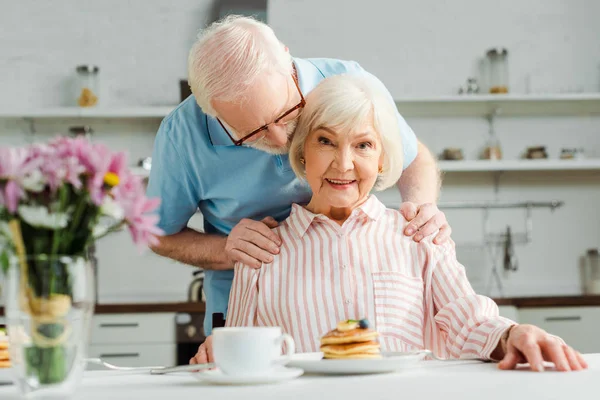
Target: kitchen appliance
(196,288)
(189,334)
(591,272)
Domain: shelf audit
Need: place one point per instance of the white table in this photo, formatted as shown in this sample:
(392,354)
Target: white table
(481,381)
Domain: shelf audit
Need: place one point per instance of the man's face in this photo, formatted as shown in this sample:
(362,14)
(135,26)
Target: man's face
(265,101)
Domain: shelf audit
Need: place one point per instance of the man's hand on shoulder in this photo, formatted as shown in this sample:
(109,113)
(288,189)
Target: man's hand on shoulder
(425,219)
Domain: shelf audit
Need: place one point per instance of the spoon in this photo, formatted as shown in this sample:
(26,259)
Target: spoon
(157,370)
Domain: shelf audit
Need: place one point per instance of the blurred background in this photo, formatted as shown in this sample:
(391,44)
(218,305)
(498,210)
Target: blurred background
(505,92)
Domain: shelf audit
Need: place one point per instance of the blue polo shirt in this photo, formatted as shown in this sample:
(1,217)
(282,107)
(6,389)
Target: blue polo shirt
(195,166)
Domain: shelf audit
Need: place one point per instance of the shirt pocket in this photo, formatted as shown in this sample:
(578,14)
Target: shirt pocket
(399,310)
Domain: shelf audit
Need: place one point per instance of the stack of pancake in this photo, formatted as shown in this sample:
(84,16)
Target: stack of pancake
(4,357)
(352,339)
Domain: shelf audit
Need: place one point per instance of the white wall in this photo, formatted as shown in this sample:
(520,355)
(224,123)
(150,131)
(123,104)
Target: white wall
(430,47)
(417,48)
(141,47)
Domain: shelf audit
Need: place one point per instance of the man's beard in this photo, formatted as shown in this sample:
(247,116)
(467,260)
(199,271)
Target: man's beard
(263,144)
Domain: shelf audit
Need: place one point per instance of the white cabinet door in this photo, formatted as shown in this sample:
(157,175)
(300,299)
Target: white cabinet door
(578,326)
(133,328)
(510,312)
(134,355)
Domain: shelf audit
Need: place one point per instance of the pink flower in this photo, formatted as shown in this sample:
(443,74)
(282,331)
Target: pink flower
(137,208)
(141,222)
(12,169)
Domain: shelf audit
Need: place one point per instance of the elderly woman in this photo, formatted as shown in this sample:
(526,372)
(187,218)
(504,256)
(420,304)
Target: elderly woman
(344,255)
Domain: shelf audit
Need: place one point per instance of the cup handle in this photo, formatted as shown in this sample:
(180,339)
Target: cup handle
(290,348)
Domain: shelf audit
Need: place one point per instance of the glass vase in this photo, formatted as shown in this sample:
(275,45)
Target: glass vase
(49,303)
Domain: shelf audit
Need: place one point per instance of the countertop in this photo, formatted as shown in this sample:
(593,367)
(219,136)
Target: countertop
(431,380)
(188,307)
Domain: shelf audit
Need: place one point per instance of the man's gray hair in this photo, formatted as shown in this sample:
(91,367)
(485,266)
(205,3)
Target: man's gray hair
(228,57)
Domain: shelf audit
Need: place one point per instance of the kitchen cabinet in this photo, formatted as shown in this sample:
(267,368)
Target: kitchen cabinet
(578,326)
(133,354)
(134,340)
(133,328)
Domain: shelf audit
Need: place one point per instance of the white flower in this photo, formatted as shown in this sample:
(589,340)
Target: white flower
(39,217)
(112,209)
(34,182)
(99,230)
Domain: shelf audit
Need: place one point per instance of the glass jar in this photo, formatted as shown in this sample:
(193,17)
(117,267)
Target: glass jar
(87,85)
(85,131)
(497,60)
(492,150)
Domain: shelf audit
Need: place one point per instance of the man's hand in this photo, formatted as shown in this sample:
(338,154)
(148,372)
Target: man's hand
(424,220)
(530,344)
(204,354)
(252,242)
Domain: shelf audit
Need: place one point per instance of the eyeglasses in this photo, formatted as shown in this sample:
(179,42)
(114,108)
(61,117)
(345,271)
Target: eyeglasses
(298,106)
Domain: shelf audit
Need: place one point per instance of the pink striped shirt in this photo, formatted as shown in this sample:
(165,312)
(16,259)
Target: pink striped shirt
(415,294)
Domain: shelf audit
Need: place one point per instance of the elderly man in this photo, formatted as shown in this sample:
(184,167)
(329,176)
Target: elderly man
(224,152)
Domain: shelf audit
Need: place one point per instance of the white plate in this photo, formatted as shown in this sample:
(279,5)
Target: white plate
(316,364)
(279,374)
(5,376)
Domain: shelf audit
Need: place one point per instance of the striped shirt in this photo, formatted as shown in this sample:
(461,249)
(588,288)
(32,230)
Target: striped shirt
(415,294)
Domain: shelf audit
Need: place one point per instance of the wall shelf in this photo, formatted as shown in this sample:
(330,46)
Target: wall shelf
(77,112)
(507,105)
(434,106)
(519,165)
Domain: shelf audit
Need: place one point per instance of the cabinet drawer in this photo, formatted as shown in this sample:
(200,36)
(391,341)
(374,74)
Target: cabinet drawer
(133,328)
(578,326)
(134,355)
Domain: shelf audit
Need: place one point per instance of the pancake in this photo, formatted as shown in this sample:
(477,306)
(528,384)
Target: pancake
(3,345)
(351,339)
(4,356)
(353,336)
(371,347)
(5,364)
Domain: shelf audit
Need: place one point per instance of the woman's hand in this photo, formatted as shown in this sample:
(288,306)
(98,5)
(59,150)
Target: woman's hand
(528,343)
(424,220)
(204,354)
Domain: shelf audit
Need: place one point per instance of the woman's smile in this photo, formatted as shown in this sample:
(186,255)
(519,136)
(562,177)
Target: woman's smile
(341,184)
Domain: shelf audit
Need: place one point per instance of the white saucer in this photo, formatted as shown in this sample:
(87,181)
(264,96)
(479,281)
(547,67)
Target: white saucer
(280,374)
(392,362)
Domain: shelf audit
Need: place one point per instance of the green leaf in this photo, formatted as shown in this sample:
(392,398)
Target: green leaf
(4,261)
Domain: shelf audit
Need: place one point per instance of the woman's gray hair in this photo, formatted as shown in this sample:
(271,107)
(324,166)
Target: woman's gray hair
(342,102)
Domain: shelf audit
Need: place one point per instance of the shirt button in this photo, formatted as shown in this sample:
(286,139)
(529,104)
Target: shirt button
(344,266)
(348,302)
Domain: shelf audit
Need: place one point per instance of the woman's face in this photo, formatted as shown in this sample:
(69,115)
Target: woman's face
(342,167)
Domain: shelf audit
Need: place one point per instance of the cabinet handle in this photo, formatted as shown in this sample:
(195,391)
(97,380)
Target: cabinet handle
(125,325)
(120,355)
(570,318)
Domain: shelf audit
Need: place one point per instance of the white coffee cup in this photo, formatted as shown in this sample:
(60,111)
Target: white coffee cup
(250,351)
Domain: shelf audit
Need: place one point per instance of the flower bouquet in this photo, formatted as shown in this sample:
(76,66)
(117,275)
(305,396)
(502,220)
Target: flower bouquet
(56,200)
